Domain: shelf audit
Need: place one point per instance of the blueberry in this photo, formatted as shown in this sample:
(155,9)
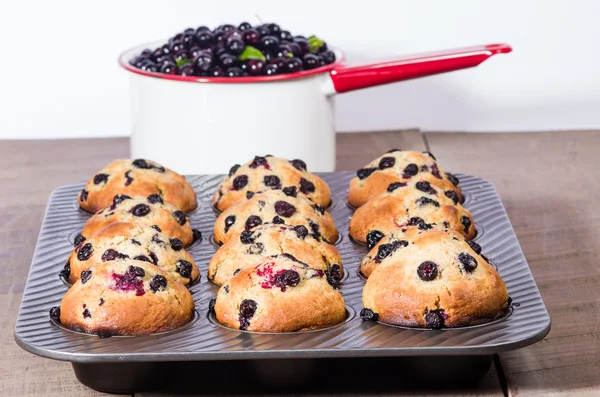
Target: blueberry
(228,61)
(158,283)
(66,271)
(427,271)
(253,221)
(128,178)
(155,227)
(469,263)
(272,181)
(249,194)
(111,254)
(303,44)
(204,39)
(293,65)
(55,314)
(410,171)
(259,161)
(315,228)
(176,244)
(373,237)
(196,235)
(203,63)
(85,276)
(334,275)
(184,268)
(262,30)
(306,186)
(365,172)
(466,222)
(168,67)
(229,221)
(425,201)
(255,67)
(83,196)
(286,278)
(247,310)
(100,178)
(234,72)
(134,241)
(86,313)
(156,239)
(235,45)
(298,164)
(435,319)
(244,26)
(269,43)
(474,246)
(452,179)
(84,253)
(328,57)
(271,69)
(256,248)
(236,271)
(290,191)
(118,199)
(180,217)
(310,61)
(278,221)
(143,258)
(274,29)
(155,198)
(384,251)
(141,163)
(429,154)
(247,237)
(425,187)
(211,305)
(78,240)
(140,210)
(101,302)
(240,182)
(284,209)
(451,194)
(386,162)
(395,185)
(318,209)
(301,231)
(369,315)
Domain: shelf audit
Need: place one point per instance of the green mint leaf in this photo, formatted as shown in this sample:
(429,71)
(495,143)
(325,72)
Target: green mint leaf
(251,53)
(181,62)
(315,43)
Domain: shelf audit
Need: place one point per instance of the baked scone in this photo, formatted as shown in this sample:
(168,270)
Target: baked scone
(398,166)
(151,211)
(435,279)
(270,239)
(135,241)
(268,173)
(275,206)
(281,294)
(416,203)
(136,178)
(125,297)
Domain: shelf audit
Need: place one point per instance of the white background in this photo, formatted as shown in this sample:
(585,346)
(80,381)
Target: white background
(59,76)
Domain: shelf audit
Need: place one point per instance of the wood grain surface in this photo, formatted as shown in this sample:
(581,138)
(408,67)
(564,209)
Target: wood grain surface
(547,181)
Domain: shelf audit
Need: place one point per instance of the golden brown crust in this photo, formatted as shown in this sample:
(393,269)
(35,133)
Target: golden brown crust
(463,290)
(267,240)
(269,205)
(136,178)
(419,202)
(164,215)
(134,241)
(115,299)
(268,173)
(279,295)
(362,190)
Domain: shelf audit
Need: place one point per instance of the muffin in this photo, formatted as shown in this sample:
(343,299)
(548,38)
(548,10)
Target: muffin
(410,204)
(434,279)
(282,294)
(270,239)
(136,178)
(275,206)
(270,173)
(125,297)
(398,166)
(138,242)
(151,211)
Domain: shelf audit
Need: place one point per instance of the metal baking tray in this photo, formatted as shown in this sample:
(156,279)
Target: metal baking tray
(127,364)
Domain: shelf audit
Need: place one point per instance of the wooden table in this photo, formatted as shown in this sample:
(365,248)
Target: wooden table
(548,182)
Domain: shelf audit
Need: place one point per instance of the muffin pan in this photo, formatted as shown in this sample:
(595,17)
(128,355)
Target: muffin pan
(110,364)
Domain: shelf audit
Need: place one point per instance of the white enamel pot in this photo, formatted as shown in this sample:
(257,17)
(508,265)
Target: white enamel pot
(198,125)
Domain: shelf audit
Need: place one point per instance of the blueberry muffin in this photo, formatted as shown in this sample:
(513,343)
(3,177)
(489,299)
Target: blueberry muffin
(282,294)
(410,204)
(269,239)
(138,242)
(275,206)
(270,173)
(136,178)
(151,211)
(398,166)
(434,279)
(125,297)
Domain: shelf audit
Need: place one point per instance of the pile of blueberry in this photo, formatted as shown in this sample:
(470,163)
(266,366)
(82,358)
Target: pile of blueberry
(227,51)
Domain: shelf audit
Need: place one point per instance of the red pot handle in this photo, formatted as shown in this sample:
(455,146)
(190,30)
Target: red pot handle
(354,77)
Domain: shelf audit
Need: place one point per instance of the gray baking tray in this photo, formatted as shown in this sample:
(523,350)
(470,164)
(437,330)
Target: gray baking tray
(126,364)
